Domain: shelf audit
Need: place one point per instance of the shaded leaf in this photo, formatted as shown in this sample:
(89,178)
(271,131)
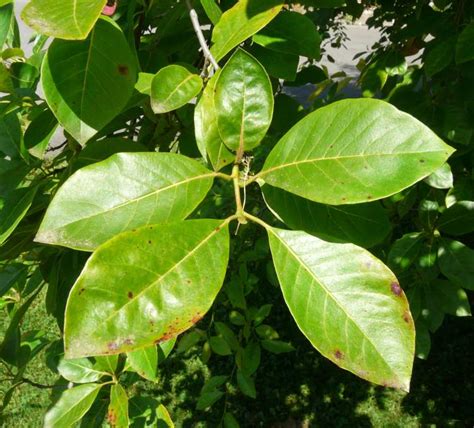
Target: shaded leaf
(456,262)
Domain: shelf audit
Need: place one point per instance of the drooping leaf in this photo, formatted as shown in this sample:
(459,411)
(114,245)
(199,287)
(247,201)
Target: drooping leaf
(64,19)
(243,102)
(464,51)
(71,406)
(348,304)
(209,141)
(158,291)
(145,362)
(126,191)
(335,154)
(365,224)
(173,87)
(117,414)
(291,33)
(458,219)
(240,22)
(13,209)
(87,83)
(456,262)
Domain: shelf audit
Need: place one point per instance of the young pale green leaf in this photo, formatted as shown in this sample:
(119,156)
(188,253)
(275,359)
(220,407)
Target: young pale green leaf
(126,191)
(65,19)
(106,363)
(173,87)
(458,219)
(456,262)
(163,417)
(212,9)
(365,224)
(348,304)
(145,362)
(291,33)
(335,154)
(464,51)
(208,140)
(71,406)
(442,178)
(243,102)
(117,414)
(240,22)
(165,278)
(79,370)
(13,209)
(87,83)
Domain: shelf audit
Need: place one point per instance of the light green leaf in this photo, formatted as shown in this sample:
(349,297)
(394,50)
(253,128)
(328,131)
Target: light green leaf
(164,418)
(126,191)
(117,415)
(87,83)
(6,16)
(209,141)
(244,102)
(456,262)
(158,291)
(365,224)
(458,219)
(13,209)
(71,406)
(173,87)
(145,362)
(291,33)
(64,19)
(348,304)
(464,51)
(240,22)
(442,178)
(107,363)
(79,370)
(335,154)
(212,10)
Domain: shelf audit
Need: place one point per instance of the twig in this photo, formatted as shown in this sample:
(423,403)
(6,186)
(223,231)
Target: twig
(202,41)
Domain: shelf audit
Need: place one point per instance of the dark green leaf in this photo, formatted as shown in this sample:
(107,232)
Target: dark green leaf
(456,262)
(220,346)
(246,384)
(458,219)
(464,51)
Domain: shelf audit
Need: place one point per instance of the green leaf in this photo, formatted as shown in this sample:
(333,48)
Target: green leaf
(251,358)
(348,304)
(458,219)
(188,340)
(335,154)
(163,417)
(6,17)
(464,51)
(11,137)
(145,362)
(450,298)
(220,346)
(228,335)
(230,421)
(117,415)
(40,132)
(456,262)
(87,83)
(79,370)
(266,331)
(213,383)
(243,102)
(442,178)
(126,191)
(158,291)
(276,346)
(364,224)
(246,384)
(71,406)
(423,340)
(208,399)
(242,21)
(291,33)
(404,251)
(440,56)
(212,10)
(173,87)
(65,19)
(14,209)
(209,141)
(277,64)
(107,363)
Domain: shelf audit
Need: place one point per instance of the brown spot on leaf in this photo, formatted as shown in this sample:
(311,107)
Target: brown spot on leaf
(343,199)
(396,289)
(122,69)
(113,346)
(112,417)
(188,281)
(369,197)
(128,342)
(217,228)
(149,242)
(338,354)
(422,161)
(130,295)
(81,291)
(406,317)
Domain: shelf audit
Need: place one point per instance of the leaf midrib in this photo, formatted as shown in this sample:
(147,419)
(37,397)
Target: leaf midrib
(312,274)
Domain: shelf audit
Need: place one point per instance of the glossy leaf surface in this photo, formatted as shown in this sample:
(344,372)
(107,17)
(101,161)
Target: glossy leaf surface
(71,406)
(117,414)
(126,191)
(335,154)
(364,224)
(348,304)
(79,370)
(64,19)
(243,102)
(144,361)
(173,87)
(241,22)
(87,83)
(165,279)
(209,141)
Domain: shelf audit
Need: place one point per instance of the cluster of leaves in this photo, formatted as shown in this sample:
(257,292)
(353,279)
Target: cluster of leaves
(123,227)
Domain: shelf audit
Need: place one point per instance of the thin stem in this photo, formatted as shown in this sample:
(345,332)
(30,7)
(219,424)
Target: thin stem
(238,200)
(226,177)
(257,220)
(202,41)
(38,385)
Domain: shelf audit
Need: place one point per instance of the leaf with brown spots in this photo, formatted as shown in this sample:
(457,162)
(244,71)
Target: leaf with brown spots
(117,414)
